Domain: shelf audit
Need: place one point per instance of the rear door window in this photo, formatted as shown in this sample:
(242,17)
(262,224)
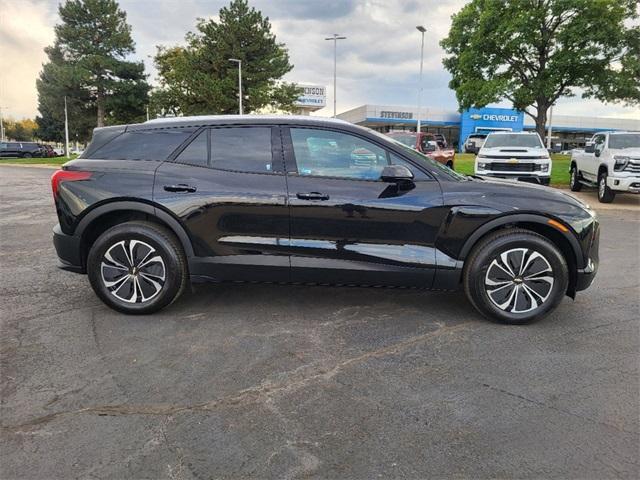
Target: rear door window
(155,144)
(242,149)
(197,152)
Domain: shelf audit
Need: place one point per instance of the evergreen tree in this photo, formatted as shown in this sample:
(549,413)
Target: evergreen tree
(87,65)
(200,79)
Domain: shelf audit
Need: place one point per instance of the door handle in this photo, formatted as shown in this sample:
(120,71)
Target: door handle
(312,196)
(180,188)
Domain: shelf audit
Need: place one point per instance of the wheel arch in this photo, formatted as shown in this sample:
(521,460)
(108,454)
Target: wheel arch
(603,168)
(566,242)
(105,216)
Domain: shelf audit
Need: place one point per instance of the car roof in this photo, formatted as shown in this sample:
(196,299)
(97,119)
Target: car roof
(202,120)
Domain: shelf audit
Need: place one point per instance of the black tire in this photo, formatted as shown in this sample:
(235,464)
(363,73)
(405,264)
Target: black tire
(605,194)
(574,179)
(26,155)
(144,242)
(479,270)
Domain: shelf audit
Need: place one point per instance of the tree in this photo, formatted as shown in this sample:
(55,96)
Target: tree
(532,52)
(87,65)
(199,78)
(21,130)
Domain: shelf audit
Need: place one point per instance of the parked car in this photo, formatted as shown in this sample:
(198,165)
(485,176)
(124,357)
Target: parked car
(516,156)
(47,150)
(21,149)
(150,207)
(427,144)
(473,142)
(610,162)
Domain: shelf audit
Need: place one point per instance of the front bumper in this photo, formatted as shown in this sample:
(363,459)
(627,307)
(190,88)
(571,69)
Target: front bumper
(68,250)
(522,177)
(624,184)
(585,276)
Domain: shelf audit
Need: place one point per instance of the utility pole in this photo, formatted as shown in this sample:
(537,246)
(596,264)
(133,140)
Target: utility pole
(147,113)
(421,29)
(239,62)
(66,129)
(335,39)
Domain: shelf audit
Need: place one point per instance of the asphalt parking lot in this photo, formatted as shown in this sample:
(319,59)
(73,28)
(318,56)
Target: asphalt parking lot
(289,382)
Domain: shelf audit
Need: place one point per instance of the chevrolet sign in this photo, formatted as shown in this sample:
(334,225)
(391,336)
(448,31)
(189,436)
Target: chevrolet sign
(493,117)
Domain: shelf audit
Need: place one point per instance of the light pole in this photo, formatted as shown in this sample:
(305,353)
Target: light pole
(335,39)
(549,131)
(1,126)
(239,62)
(66,129)
(421,29)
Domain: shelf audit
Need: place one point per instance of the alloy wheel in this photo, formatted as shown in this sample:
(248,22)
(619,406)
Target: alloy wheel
(602,185)
(133,271)
(519,280)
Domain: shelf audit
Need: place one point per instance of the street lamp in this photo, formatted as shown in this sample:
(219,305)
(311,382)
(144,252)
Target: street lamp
(421,29)
(335,39)
(239,62)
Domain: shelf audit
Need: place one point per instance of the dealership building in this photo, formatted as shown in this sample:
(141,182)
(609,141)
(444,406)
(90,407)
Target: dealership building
(567,131)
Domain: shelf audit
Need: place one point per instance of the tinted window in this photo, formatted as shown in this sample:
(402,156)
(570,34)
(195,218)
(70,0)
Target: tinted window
(144,144)
(196,152)
(3,146)
(333,154)
(245,149)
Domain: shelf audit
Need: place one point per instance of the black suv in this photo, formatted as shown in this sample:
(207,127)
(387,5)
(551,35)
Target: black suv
(149,207)
(21,149)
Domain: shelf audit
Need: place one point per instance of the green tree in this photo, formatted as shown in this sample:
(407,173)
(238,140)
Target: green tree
(20,130)
(532,52)
(199,78)
(87,64)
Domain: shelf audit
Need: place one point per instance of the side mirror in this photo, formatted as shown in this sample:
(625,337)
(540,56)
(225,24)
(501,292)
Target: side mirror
(590,148)
(396,173)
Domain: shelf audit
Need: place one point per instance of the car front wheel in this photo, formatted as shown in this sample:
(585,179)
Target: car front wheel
(605,194)
(515,276)
(137,267)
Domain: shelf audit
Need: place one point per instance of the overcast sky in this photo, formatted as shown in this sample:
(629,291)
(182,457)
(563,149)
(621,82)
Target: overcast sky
(378,63)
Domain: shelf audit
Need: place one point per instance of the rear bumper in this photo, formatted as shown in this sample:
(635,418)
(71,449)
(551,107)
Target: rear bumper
(68,250)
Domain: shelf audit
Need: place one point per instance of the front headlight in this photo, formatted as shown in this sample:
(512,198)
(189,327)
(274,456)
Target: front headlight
(482,166)
(481,156)
(621,162)
(544,167)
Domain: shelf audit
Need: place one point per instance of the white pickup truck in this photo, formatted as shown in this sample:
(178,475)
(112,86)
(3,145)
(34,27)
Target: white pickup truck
(610,161)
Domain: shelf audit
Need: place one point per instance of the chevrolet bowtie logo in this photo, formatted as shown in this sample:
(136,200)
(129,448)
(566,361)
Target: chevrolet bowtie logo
(475,116)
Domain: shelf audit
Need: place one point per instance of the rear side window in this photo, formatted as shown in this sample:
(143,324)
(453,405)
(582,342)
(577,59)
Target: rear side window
(197,152)
(244,149)
(144,144)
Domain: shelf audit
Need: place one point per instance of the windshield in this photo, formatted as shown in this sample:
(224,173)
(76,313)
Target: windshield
(405,138)
(513,140)
(624,140)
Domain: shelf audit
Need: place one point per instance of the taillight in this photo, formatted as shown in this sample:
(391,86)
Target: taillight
(66,176)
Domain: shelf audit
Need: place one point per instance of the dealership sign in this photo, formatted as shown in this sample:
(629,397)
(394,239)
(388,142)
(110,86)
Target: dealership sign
(313,96)
(492,117)
(399,115)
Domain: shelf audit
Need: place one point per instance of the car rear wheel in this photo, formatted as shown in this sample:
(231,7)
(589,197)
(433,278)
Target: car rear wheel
(137,267)
(515,276)
(605,194)
(574,181)
(26,155)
